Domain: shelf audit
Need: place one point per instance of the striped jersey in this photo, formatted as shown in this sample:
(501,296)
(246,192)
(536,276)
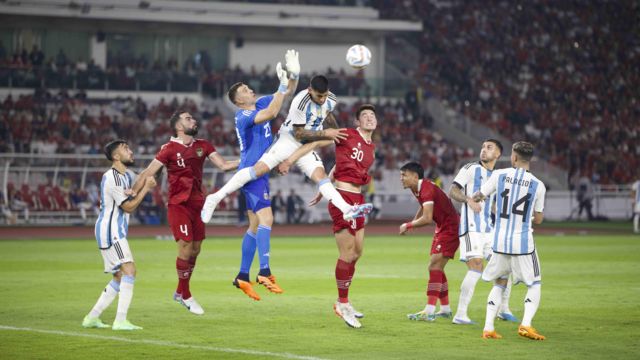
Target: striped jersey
(518,194)
(470,178)
(636,187)
(113,222)
(304,111)
(254,139)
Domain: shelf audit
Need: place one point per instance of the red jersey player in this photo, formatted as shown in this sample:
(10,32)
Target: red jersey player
(435,206)
(184,158)
(354,157)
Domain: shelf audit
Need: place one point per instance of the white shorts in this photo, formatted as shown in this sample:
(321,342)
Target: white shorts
(286,145)
(474,245)
(524,268)
(637,208)
(118,254)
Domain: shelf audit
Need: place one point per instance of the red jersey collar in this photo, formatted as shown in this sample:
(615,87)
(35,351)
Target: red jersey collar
(179,141)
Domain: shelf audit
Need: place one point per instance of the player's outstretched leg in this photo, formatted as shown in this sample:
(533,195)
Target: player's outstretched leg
(504,313)
(329,192)
(126,294)
(493,303)
(531,303)
(92,320)
(238,180)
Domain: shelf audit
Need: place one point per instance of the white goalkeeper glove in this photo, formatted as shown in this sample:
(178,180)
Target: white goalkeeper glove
(292,63)
(282,76)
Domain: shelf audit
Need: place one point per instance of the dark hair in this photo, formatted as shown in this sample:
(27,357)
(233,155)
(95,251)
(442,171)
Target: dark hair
(364,107)
(524,150)
(173,120)
(498,143)
(111,147)
(233,90)
(414,167)
(319,83)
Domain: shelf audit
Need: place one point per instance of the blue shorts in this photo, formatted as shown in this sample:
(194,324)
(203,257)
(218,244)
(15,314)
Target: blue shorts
(256,193)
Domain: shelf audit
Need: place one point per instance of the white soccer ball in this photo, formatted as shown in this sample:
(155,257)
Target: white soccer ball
(358,56)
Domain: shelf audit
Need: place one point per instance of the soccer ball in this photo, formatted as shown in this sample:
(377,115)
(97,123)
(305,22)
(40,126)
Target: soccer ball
(358,56)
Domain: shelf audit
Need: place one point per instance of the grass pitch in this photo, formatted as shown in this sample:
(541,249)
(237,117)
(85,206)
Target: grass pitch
(589,305)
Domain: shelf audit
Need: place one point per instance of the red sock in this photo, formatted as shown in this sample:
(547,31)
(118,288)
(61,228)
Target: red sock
(444,292)
(343,279)
(352,268)
(182,267)
(434,287)
(192,265)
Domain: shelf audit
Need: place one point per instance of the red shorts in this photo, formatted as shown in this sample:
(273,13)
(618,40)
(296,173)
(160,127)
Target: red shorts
(336,215)
(445,244)
(185,222)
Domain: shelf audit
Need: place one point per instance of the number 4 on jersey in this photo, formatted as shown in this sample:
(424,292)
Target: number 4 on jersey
(504,213)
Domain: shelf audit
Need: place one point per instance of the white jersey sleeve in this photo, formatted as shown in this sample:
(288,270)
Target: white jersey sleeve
(538,205)
(463,177)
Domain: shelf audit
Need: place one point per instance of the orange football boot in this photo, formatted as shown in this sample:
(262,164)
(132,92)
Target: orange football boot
(246,288)
(270,283)
(529,332)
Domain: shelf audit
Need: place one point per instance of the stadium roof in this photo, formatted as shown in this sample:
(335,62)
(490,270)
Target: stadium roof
(212,13)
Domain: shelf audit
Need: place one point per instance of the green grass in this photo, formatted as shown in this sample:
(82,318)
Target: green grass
(589,307)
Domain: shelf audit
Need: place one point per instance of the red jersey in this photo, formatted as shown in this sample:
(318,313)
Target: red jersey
(354,157)
(184,165)
(444,214)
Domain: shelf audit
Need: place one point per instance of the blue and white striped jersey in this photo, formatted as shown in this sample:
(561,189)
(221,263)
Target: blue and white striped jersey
(304,111)
(113,222)
(518,194)
(470,178)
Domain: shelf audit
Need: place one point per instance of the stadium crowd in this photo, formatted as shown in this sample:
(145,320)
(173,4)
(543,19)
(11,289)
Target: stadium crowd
(34,69)
(561,74)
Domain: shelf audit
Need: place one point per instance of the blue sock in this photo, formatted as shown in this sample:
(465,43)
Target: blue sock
(264,245)
(248,252)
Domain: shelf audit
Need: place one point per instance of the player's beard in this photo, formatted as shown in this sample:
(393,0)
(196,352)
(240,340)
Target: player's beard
(129,162)
(192,132)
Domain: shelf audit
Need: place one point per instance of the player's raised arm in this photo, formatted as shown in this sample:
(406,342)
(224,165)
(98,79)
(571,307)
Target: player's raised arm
(223,164)
(151,170)
(288,84)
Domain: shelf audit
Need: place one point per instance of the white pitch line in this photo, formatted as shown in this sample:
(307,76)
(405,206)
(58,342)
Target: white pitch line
(162,343)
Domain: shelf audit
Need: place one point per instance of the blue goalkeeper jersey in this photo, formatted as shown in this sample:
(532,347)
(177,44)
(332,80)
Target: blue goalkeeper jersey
(254,139)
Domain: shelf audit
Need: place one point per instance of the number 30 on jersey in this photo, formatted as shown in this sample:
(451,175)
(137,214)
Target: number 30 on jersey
(357,154)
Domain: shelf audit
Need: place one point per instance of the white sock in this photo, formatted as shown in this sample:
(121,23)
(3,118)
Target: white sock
(466,292)
(330,193)
(636,222)
(531,303)
(506,295)
(493,303)
(445,308)
(430,309)
(236,182)
(106,298)
(126,293)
